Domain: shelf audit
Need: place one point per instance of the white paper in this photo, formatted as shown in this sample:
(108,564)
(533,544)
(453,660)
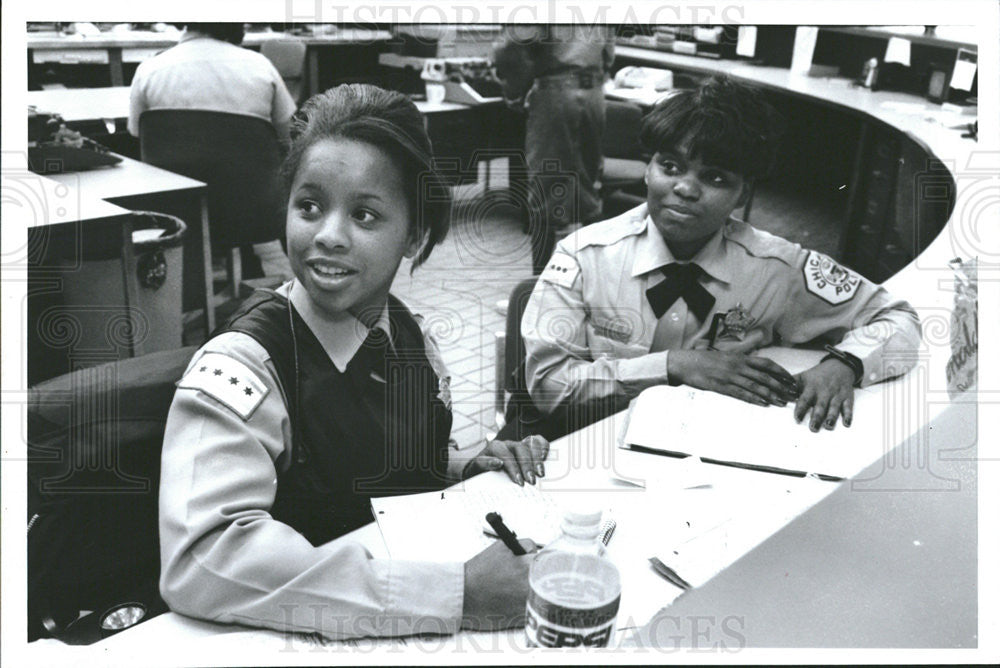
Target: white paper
(963,74)
(710,425)
(898,51)
(449,525)
(802,52)
(746,41)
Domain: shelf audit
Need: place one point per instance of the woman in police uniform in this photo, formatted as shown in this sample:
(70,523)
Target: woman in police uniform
(322,394)
(678,291)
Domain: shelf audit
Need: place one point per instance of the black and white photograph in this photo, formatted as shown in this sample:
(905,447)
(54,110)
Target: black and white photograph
(342,333)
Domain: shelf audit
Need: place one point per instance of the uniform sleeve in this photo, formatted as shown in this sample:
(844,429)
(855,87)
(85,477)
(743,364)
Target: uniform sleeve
(559,364)
(831,304)
(137,101)
(225,559)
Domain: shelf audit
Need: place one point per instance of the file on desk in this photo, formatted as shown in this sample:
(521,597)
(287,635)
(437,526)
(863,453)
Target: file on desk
(686,421)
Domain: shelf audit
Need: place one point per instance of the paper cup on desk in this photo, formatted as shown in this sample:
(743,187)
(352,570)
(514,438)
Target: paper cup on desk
(435,92)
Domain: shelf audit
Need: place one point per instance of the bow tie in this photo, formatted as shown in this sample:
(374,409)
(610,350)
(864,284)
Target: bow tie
(681,281)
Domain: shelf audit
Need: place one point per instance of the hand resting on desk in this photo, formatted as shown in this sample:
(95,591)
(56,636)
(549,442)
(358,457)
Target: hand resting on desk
(756,380)
(522,460)
(828,390)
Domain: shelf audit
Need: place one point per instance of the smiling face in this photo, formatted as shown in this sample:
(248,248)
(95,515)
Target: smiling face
(348,226)
(690,200)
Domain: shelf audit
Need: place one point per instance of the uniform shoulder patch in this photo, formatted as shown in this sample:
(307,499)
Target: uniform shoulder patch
(228,381)
(561,270)
(828,280)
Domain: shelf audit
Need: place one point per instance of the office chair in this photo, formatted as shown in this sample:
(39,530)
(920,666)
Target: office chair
(624,166)
(94,442)
(238,157)
(288,57)
(521,417)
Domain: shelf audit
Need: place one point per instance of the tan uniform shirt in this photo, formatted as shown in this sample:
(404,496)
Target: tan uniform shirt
(588,328)
(225,559)
(211,75)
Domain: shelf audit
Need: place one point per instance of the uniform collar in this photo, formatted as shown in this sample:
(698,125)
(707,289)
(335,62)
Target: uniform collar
(340,336)
(652,253)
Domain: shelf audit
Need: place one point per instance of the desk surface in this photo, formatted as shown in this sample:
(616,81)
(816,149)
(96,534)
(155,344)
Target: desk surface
(43,201)
(126,179)
(112,103)
(83,104)
(888,560)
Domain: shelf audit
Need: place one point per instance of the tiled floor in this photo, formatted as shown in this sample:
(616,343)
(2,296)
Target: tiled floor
(484,256)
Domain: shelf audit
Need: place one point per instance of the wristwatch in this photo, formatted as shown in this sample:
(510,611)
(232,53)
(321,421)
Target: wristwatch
(847,358)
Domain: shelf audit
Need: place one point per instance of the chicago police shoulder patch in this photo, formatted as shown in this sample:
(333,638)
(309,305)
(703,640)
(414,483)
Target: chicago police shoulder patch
(228,381)
(562,270)
(828,280)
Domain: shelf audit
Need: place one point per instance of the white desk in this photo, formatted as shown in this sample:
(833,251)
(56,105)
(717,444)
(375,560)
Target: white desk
(577,466)
(83,104)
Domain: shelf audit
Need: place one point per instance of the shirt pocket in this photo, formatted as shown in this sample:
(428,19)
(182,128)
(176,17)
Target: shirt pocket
(617,335)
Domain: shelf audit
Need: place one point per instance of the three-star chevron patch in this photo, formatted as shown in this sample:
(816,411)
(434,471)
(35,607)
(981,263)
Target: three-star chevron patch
(228,381)
(562,270)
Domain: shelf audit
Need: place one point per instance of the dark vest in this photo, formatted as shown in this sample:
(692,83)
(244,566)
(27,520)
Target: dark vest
(377,429)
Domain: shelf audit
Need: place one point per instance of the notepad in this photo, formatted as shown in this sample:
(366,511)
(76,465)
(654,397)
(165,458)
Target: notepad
(716,427)
(448,525)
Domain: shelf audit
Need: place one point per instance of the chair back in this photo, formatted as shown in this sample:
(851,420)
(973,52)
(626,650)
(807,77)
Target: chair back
(238,156)
(94,442)
(289,58)
(521,417)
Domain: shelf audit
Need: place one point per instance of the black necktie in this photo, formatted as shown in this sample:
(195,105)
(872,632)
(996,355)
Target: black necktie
(681,281)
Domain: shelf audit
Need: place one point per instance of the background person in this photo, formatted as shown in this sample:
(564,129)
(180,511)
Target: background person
(556,73)
(209,71)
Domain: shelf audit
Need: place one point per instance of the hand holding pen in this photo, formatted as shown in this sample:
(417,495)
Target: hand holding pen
(496,584)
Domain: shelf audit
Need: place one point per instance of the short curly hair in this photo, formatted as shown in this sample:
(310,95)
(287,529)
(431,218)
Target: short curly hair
(729,124)
(389,121)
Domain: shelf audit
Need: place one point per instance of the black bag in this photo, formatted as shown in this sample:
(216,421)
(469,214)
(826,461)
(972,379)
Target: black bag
(94,442)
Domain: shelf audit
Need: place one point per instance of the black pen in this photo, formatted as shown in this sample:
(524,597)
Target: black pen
(506,535)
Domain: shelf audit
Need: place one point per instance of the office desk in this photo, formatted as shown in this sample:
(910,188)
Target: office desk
(83,104)
(63,225)
(138,186)
(116,49)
